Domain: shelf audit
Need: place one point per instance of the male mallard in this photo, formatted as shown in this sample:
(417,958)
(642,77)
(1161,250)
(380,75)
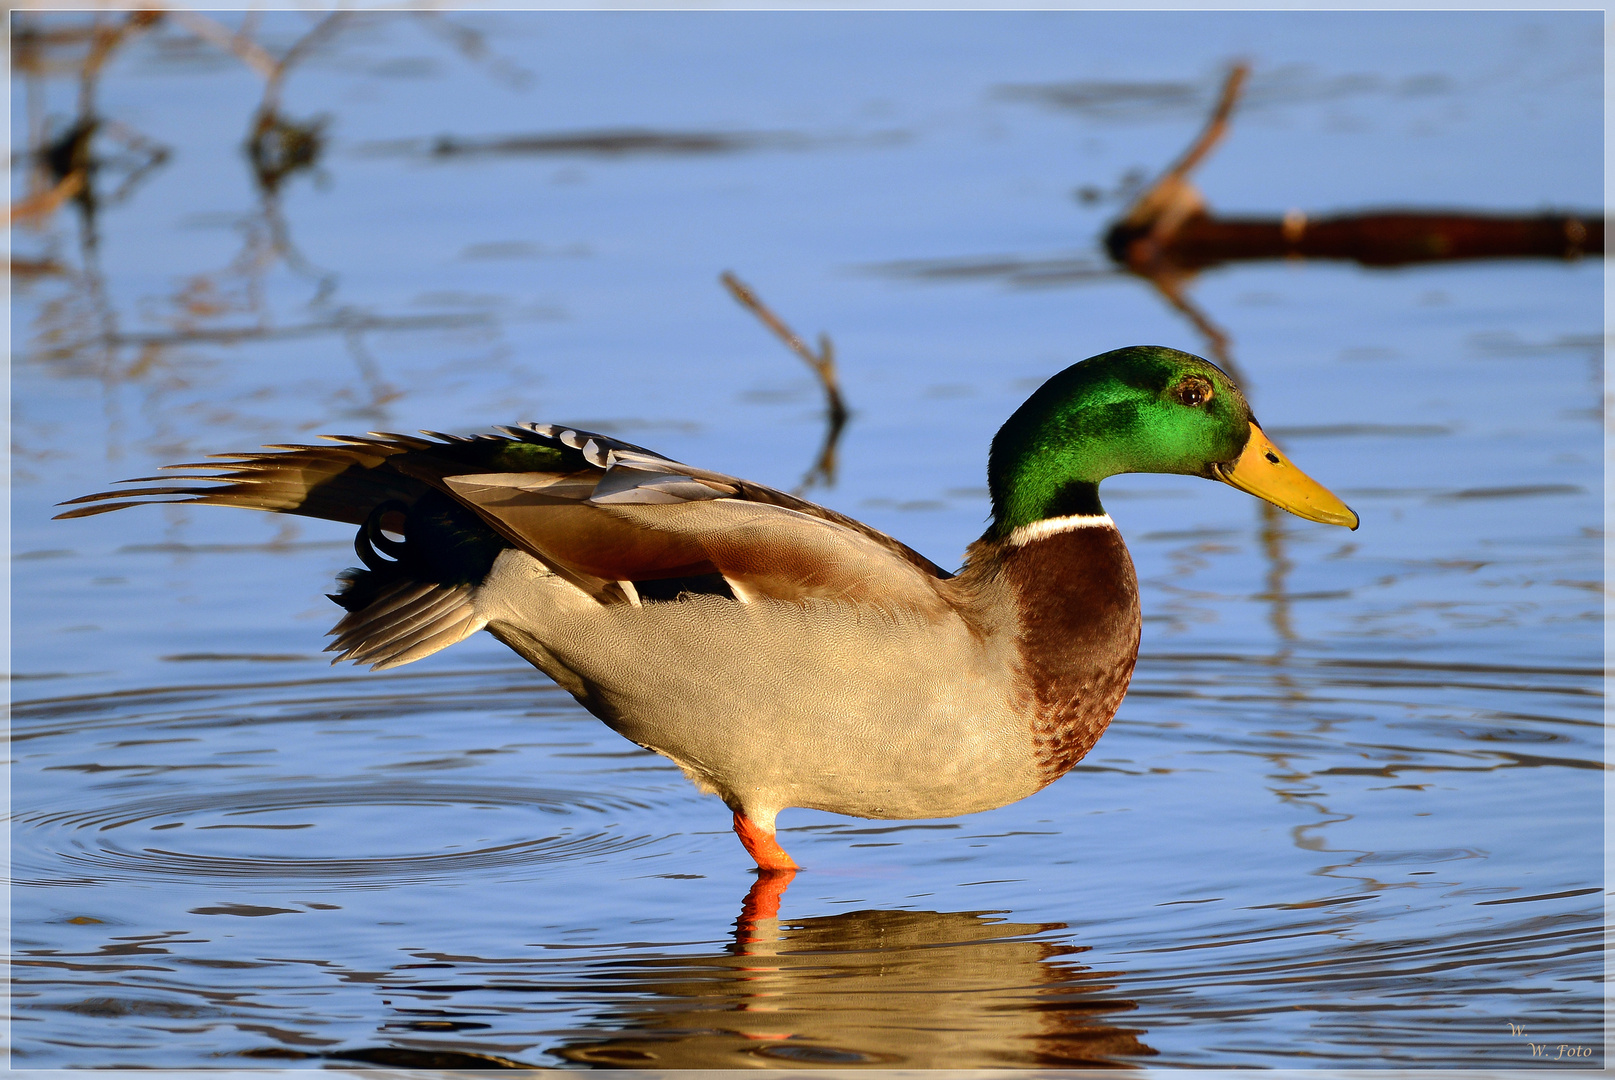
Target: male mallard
(781,653)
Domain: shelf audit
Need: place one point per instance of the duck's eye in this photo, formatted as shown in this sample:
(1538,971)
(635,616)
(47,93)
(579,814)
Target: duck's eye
(1193,391)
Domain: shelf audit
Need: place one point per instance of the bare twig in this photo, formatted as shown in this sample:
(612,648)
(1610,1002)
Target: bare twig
(1171,200)
(67,164)
(103,44)
(45,203)
(473,45)
(243,47)
(824,465)
(27,60)
(1217,126)
(277,146)
(300,48)
(823,364)
(148,155)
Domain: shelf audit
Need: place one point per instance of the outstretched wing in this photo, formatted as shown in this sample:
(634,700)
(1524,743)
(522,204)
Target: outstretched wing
(636,517)
(623,523)
(345,481)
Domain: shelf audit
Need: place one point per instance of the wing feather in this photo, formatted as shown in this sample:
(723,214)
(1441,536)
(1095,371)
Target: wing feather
(760,548)
(596,509)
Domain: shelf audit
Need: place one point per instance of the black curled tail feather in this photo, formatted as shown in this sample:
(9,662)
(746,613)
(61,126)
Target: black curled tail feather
(371,537)
(413,597)
(444,543)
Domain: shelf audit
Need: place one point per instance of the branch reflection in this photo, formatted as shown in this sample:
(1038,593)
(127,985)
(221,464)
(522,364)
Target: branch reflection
(84,331)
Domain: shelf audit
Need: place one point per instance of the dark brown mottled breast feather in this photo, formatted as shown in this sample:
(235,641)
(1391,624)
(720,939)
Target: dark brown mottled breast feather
(1079,630)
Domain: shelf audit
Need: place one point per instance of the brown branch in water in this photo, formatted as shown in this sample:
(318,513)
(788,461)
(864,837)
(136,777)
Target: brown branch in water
(24,268)
(240,44)
(1217,126)
(823,364)
(300,48)
(34,44)
(1166,204)
(473,46)
(63,169)
(276,145)
(46,202)
(103,44)
(27,61)
(1170,230)
(149,156)
(1382,238)
(824,464)
(237,43)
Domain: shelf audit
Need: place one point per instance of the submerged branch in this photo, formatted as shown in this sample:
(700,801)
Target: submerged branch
(823,364)
(1166,204)
(1383,238)
(276,145)
(1169,229)
(103,43)
(46,202)
(237,43)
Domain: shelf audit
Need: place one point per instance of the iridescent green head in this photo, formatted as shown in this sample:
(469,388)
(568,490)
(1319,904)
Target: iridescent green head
(1141,409)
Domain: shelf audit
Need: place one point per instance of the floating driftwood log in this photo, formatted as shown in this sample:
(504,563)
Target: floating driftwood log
(1386,238)
(1170,226)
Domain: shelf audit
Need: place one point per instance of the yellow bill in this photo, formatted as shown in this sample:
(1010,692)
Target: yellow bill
(1267,474)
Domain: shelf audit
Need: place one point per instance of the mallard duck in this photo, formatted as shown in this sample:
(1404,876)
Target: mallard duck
(782,654)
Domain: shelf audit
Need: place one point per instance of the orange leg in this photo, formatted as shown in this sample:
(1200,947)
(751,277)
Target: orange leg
(761,845)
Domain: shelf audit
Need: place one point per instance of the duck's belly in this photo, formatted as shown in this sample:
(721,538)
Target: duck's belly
(820,705)
(823,706)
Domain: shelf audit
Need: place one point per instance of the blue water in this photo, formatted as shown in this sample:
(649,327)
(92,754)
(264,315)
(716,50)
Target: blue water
(1349,815)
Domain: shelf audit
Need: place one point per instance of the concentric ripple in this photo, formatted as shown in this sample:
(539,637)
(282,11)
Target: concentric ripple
(337,781)
(297,825)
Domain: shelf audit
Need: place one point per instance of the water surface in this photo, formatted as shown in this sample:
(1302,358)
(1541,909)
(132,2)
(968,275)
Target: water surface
(1349,815)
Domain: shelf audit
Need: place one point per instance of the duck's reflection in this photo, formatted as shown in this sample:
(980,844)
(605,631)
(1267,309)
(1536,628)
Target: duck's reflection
(911,989)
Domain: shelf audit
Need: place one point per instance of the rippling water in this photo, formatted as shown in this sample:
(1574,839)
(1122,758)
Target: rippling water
(1263,860)
(1350,813)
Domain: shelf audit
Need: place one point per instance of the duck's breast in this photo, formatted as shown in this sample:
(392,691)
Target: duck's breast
(1079,625)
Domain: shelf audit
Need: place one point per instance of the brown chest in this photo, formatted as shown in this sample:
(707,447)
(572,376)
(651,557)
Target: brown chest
(1078,638)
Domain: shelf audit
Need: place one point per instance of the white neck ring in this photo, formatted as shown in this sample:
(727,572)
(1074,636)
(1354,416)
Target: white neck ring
(1037,530)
